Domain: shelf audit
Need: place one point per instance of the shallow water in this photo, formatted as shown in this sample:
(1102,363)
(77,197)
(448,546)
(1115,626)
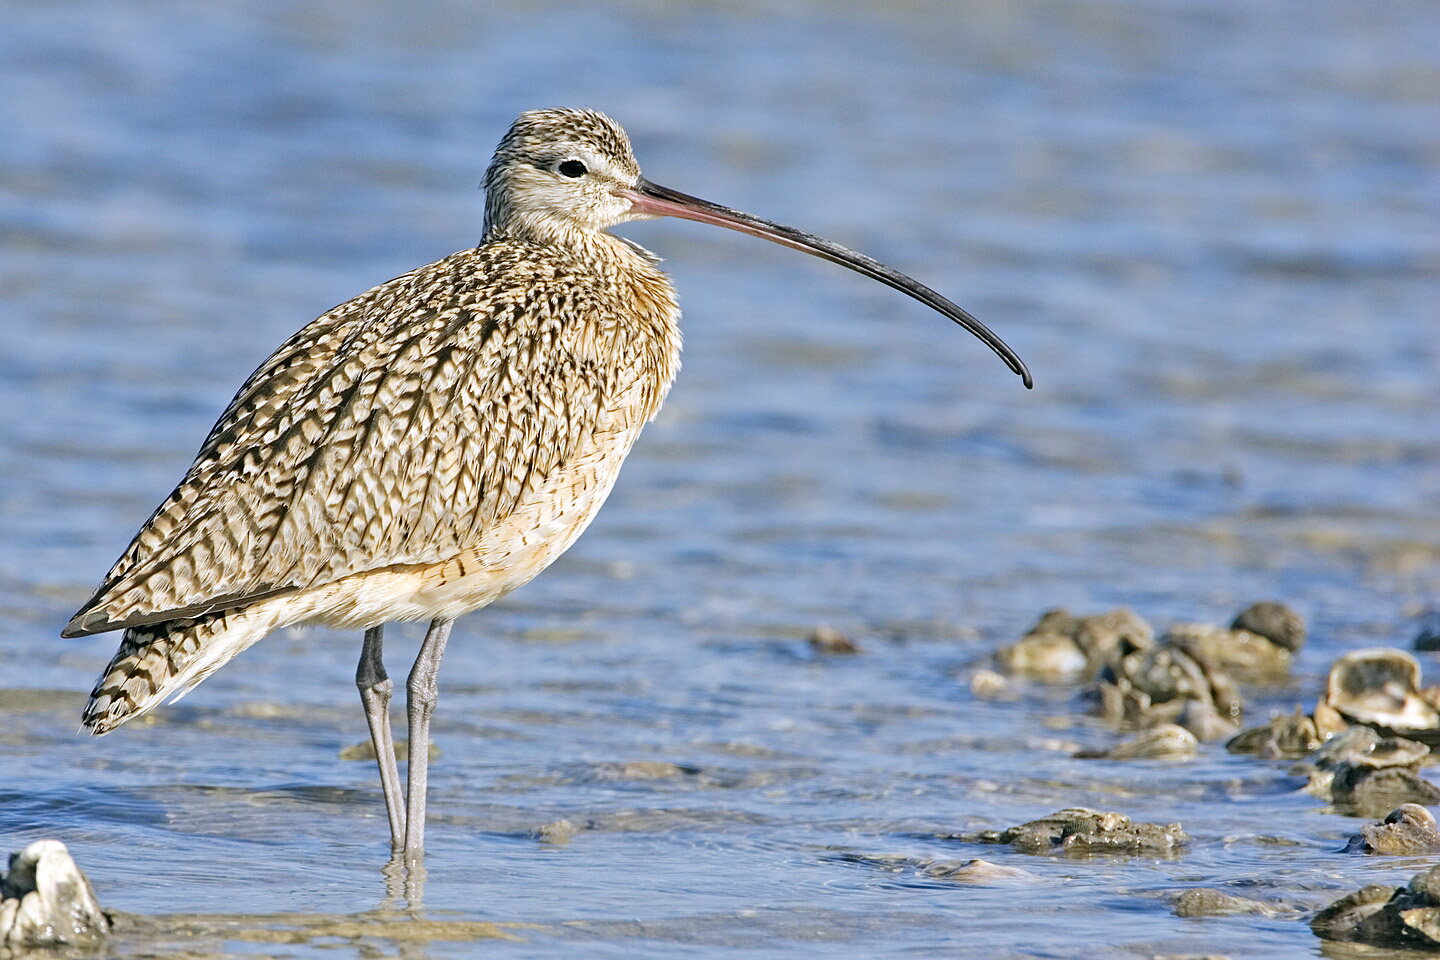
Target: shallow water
(1210,229)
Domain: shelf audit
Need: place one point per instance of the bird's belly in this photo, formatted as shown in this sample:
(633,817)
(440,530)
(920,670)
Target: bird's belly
(510,554)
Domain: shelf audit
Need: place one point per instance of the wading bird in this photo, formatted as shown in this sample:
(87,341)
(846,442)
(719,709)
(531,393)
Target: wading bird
(429,446)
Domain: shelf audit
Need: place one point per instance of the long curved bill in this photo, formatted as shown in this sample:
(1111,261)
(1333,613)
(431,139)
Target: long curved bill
(654,200)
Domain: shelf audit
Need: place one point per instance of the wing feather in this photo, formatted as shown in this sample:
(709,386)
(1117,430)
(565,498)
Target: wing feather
(394,429)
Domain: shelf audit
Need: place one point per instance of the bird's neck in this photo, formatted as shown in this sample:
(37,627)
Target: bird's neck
(504,222)
(592,246)
(633,302)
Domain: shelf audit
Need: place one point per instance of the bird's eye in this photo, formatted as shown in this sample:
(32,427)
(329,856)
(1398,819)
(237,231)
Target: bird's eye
(571,168)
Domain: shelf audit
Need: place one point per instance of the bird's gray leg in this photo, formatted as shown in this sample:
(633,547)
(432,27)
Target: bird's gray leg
(375,691)
(423,688)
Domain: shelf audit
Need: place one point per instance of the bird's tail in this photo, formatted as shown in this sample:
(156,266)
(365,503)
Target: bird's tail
(165,660)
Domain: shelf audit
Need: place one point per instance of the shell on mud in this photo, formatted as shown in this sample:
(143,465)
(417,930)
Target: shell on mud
(989,685)
(1178,670)
(1061,646)
(1166,741)
(1273,621)
(1286,735)
(1409,830)
(1170,684)
(1369,791)
(1100,635)
(1407,916)
(1077,831)
(1380,687)
(1361,916)
(975,871)
(1367,775)
(1363,747)
(1393,752)
(827,641)
(1241,652)
(1207,724)
(1208,902)
(1052,657)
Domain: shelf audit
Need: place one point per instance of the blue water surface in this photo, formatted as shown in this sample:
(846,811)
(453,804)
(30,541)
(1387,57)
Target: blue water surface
(1209,227)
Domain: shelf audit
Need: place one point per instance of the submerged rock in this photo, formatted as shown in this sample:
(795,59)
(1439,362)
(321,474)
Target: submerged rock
(1355,741)
(1407,916)
(1292,735)
(974,871)
(1273,621)
(1354,916)
(989,685)
(1044,656)
(45,901)
(641,770)
(1380,688)
(1409,830)
(1164,742)
(1203,720)
(1076,830)
(557,832)
(1428,636)
(1208,902)
(828,641)
(1061,646)
(1169,684)
(1243,653)
(1368,791)
(1368,773)
(1259,644)
(1103,635)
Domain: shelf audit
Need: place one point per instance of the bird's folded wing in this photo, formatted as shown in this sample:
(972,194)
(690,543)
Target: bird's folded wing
(395,429)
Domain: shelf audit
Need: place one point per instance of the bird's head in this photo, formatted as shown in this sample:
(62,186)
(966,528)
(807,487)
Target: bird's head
(563,175)
(557,173)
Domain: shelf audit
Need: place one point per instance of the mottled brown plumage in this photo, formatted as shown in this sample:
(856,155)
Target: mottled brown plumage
(432,444)
(399,426)
(395,431)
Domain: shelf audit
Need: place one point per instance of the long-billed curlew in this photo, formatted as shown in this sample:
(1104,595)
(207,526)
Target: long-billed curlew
(429,446)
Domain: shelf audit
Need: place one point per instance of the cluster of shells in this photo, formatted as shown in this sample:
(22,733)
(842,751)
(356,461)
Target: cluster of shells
(1406,917)
(1361,746)
(1176,691)
(1370,731)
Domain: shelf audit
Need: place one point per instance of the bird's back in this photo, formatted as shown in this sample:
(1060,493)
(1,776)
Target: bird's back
(401,426)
